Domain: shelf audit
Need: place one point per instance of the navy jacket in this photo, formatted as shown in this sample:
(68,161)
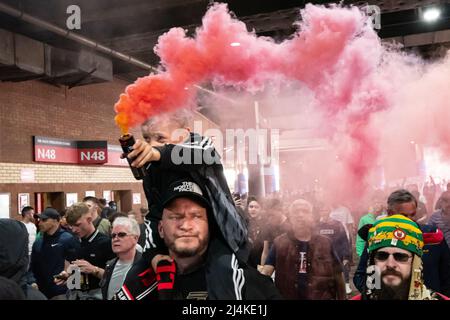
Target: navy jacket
(47,259)
(436,262)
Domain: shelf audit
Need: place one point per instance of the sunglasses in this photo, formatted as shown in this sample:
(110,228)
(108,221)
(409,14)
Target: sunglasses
(398,256)
(119,234)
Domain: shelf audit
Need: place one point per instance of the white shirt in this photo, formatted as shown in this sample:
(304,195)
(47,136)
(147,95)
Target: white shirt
(343,215)
(31,228)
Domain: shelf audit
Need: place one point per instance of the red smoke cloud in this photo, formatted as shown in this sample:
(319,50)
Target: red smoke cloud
(358,85)
(210,57)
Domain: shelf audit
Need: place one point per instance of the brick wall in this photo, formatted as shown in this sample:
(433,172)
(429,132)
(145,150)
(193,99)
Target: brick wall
(53,173)
(34,108)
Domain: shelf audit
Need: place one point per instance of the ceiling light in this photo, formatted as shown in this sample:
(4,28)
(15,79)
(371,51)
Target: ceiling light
(431,14)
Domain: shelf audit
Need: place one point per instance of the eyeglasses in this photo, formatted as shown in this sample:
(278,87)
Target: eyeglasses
(119,234)
(398,256)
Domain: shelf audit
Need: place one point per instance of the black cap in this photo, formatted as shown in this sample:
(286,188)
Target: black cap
(184,188)
(50,213)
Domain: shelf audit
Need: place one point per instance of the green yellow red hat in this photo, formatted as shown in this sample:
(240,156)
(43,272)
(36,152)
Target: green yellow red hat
(396,231)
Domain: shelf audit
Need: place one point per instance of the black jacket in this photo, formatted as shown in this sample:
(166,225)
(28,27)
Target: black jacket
(97,250)
(109,269)
(197,159)
(47,259)
(247,283)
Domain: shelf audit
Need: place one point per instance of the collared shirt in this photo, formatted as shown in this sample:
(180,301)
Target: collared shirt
(97,250)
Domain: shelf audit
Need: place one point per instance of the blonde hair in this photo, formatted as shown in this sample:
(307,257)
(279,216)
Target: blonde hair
(75,212)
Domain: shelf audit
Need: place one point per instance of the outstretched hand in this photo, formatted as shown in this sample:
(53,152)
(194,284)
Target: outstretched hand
(142,153)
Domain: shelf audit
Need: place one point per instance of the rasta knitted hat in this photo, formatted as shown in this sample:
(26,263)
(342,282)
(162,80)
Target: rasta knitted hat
(396,231)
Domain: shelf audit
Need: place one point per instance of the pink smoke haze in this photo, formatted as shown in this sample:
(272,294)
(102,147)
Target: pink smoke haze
(371,99)
(210,57)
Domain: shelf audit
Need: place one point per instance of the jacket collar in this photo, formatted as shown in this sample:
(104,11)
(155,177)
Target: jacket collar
(92,236)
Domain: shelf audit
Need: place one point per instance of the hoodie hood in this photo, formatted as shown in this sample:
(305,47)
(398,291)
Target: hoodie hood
(13,250)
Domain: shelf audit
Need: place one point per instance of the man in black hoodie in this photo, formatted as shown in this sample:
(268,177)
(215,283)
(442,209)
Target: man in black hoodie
(195,244)
(14,256)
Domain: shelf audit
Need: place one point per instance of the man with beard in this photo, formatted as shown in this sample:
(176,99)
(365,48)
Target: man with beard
(436,254)
(193,239)
(395,246)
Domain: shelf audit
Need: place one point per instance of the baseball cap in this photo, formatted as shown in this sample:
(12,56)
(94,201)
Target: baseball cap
(50,213)
(184,188)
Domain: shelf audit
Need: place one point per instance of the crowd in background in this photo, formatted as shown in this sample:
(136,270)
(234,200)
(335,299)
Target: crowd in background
(197,240)
(267,219)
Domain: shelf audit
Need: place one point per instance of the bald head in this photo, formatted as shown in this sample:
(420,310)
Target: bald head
(300,204)
(301,217)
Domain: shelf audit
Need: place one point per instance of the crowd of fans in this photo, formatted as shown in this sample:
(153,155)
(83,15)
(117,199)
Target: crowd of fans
(197,240)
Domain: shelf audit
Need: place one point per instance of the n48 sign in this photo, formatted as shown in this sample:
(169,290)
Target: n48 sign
(96,155)
(92,156)
(48,149)
(46,154)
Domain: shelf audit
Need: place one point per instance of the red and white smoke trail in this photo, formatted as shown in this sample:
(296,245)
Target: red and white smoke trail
(369,97)
(306,57)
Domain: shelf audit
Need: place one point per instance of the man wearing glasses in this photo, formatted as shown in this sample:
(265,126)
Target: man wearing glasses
(436,254)
(395,246)
(124,236)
